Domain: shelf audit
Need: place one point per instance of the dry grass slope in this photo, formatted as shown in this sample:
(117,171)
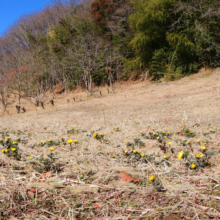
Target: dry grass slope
(88,185)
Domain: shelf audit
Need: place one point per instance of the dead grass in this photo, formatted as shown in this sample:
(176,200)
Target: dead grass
(99,194)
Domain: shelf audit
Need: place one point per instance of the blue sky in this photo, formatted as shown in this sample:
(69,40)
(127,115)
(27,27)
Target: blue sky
(11,10)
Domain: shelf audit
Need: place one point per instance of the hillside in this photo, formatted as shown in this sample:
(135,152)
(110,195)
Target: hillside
(89,182)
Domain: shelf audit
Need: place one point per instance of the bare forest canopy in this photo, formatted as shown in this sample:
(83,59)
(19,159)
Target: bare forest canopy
(98,42)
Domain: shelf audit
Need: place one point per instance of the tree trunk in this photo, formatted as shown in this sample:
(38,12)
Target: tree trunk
(90,83)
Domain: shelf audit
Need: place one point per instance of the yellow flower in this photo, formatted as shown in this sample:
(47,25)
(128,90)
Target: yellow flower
(143,155)
(166,139)
(191,132)
(126,151)
(165,156)
(203,148)
(139,151)
(15,142)
(152,178)
(154,133)
(13,149)
(75,141)
(101,134)
(180,155)
(187,142)
(9,138)
(3,150)
(158,138)
(61,138)
(204,143)
(168,132)
(135,151)
(202,155)
(141,132)
(42,142)
(6,139)
(113,156)
(70,141)
(164,132)
(1,140)
(94,135)
(197,155)
(6,150)
(170,143)
(153,128)
(31,157)
(52,148)
(49,140)
(193,166)
(198,141)
(148,132)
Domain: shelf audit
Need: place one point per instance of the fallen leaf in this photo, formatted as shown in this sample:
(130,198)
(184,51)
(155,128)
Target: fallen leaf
(127,178)
(45,175)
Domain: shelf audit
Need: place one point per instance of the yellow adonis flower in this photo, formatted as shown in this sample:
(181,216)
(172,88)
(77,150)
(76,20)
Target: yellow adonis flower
(204,143)
(152,178)
(6,139)
(42,142)
(51,148)
(94,135)
(126,151)
(187,142)
(139,151)
(193,166)
(148,132)
(9,138)
(141,132)
(38,143)
(61,138)
(180,155)
(154,133)
(49,140)
(158,138)
(198,141)
(202,155)
(3,150)
(13,149)
(203,148)
(101,134)
(165,156)
(197,155)
(113,156)
(191,132)
(75,141)
(1,140)
(168,132)
(170,143)
(15,143)
(143,155)
(70,141)
(164,132)
(6,150)
(135,151)
(31,157)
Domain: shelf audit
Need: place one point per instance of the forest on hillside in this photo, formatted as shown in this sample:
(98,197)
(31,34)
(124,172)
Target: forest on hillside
(97,42)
